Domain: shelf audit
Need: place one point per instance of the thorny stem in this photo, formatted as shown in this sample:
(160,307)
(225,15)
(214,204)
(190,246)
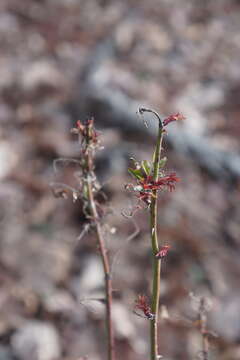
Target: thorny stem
(155,245)
(89,170)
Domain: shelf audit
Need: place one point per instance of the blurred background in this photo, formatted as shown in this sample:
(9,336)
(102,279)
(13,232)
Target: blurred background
(64,60)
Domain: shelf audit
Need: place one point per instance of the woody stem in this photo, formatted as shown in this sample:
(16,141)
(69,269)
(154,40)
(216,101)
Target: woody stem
(106,267)
(90,176)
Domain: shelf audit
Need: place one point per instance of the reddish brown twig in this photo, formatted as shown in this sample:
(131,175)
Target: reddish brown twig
(89,140)
(87,190)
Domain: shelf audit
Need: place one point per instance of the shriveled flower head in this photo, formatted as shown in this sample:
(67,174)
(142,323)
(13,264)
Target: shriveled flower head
(87,132)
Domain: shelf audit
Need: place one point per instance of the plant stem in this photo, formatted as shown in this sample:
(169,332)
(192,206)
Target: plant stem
(106,268)
(155,249)
(105,263)
(203,328)
(90,178)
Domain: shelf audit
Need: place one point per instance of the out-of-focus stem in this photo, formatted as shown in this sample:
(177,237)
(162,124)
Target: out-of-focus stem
(106,267)
(203,328)
(89,176)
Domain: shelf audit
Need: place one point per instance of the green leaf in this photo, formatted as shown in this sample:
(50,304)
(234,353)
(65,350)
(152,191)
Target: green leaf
(162,162)
(147,167)
(137,173)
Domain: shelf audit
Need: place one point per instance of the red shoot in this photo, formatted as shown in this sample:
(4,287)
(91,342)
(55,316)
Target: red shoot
(168,180)
(142,304)
(173,117)
(163,251)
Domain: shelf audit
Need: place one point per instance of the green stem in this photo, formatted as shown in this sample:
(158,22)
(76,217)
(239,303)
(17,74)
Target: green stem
(155,245)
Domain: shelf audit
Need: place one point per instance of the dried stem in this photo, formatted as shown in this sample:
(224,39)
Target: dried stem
(87,188)
(155,244)
(88,171)
(106,267)
(203,328)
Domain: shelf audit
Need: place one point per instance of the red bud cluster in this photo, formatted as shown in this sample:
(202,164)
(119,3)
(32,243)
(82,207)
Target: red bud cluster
(169,181)
(163,251)
(142,304)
